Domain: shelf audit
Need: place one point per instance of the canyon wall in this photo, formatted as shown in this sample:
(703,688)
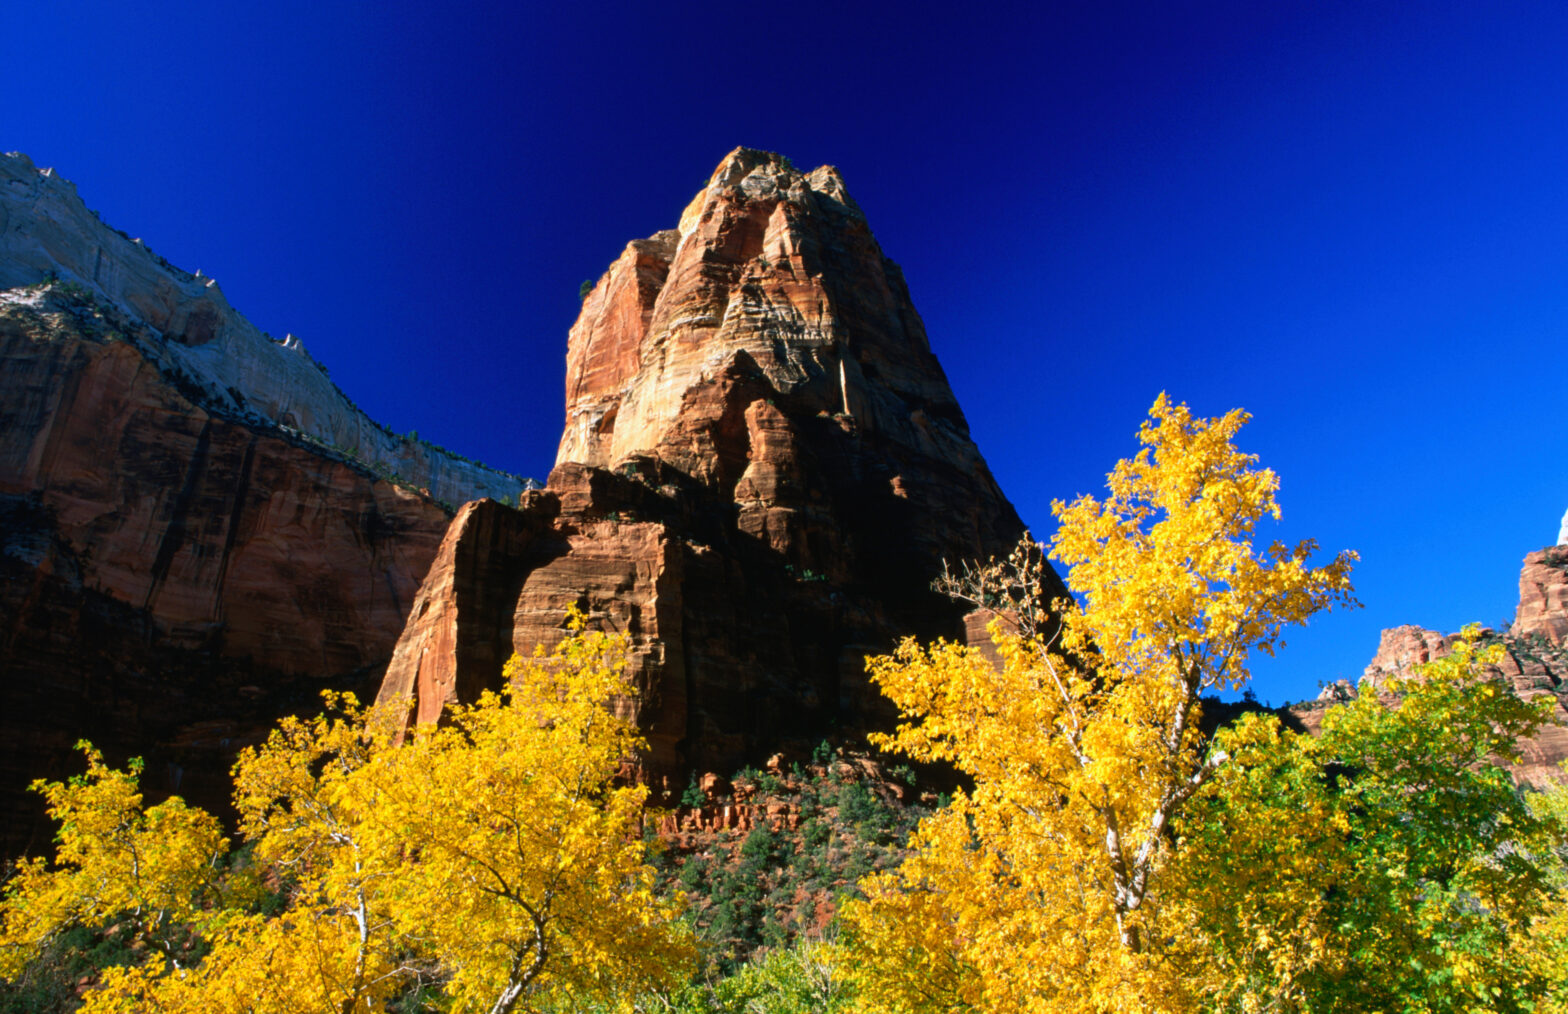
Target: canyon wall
(48,233)
(199,531)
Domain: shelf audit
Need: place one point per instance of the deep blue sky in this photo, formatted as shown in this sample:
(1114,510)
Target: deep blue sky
(1351,219)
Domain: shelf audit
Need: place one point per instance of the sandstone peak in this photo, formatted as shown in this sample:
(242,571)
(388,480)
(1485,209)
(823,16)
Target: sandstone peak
(742,161)
(758,173)
(767,327)
(770,273)
(762,469)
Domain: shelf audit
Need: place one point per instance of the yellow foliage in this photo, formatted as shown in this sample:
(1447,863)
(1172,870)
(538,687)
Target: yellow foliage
(530,876)
(307,804)
(1543,948)
(496,856)
(114,860)
(1037,891)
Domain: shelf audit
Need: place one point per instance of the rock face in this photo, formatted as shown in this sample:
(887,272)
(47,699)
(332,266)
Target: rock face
(761,471)
(199,531)
(1543,596)
(1399,648)
(732,348)
(46,232)
(167,567)
(1535,661)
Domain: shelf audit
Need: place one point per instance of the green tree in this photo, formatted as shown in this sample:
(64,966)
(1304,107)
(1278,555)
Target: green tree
(1389,864)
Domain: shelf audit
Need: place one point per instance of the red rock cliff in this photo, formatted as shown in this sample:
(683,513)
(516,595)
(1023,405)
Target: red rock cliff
(198,528)
(172,578)
(730,346)
(762,469)
(1543,596)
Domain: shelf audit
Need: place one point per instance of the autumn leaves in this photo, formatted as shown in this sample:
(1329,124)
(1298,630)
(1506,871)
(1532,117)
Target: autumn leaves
(1110,858)
(489,864)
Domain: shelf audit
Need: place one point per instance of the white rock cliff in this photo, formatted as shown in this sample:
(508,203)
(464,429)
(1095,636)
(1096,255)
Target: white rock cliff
(47,232)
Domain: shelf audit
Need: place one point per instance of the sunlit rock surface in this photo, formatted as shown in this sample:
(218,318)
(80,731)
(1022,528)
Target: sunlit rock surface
(47,232)
(1535,662)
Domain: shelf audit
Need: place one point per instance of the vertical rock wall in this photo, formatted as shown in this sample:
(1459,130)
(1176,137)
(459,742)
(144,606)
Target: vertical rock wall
(174,574)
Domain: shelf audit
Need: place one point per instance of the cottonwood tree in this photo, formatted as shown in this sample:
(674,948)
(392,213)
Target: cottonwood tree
(1038,889)
(491,863)
(530,880)
(147,872)
(309,801)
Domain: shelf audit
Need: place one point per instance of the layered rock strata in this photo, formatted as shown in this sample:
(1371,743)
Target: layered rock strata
(762,469)
(199,531)
(1543,596)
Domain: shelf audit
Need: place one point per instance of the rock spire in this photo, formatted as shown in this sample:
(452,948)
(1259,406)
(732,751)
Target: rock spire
(761,470)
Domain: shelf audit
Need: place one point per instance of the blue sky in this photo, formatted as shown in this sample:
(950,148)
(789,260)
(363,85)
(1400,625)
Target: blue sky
(1351,219)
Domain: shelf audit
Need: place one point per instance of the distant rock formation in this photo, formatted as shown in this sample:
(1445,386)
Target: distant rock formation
(1543,596)
(1399,648)
(1535,661)
(761,471)
(197,531)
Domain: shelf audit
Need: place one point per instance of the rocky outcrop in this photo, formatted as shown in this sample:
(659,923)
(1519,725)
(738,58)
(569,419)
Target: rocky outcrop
(1543,596)
(1399,648)
(761,471)
(1535,662)
(48,233)
(732,348)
